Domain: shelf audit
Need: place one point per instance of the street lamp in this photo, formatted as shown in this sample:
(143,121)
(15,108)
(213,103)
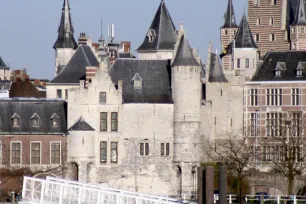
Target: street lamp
(135,146)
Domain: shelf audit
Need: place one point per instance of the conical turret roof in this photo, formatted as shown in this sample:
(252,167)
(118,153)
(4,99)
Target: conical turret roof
(244,37)
(229,17)
(65,31)
(162,32)
(300,19)
(184,56)
(215,69)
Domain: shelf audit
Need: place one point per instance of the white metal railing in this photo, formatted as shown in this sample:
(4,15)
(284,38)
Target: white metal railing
(231,198)
(99,187)
(38,191)
(278,199)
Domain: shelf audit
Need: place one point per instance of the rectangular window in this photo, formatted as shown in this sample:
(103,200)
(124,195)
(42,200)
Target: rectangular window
(257,37)
(254,124)
(102,98)
(247,63)
(271,21)
(272,36)
(296,123)
(59,93)
(165,149)
(114,121)
(66,94)
(35,153)
(114,152)
(254,97)
(258,21)
(238,63)
(274,124)
(103,152)
(274,97)
(295,96)
(144,148)
(55,153)
(103,121)
(16,153)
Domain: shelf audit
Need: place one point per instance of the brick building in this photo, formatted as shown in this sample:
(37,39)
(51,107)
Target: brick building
(33,136)
(275,94)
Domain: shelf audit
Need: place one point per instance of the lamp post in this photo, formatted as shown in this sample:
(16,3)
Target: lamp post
(135,146)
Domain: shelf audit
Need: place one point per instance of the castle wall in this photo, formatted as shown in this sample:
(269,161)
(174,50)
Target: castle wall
(158,55)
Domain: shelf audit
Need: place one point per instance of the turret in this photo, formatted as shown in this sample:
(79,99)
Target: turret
(161,37)
(298,28)
(228,32)
(65,43)
(186,91)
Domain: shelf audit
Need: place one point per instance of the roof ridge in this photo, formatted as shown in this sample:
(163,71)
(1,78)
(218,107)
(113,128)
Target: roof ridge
(85,54)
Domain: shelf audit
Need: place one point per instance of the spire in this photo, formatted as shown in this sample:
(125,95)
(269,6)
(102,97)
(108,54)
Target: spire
(244,37)
(161,34)
(184,56)
(65,31)
(229,17)
(300,19)
(214,67)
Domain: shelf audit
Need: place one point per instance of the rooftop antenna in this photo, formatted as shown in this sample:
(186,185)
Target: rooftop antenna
(101,25)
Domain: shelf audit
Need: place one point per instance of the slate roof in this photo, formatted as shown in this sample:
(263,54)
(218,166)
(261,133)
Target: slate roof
(65,31)
(215,70)
(81,125)
(2,64)
(155,75)
(300,19)
(244,37)
(289,64)
(229,16)
(165,32)
(292,11)
(184,55)
(76,67)
(25,108)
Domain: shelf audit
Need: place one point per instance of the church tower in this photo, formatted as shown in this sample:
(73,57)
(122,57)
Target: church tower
(161,37)
(186,92)
(228,33)
(65,43)
(298,28)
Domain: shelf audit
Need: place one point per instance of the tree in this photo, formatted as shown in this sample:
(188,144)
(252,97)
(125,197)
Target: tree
(235,153)
(285,152)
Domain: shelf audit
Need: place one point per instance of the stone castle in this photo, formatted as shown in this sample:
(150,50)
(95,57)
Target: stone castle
(142,123)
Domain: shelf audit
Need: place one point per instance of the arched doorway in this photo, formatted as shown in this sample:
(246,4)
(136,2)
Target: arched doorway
(179,178)
(74,171)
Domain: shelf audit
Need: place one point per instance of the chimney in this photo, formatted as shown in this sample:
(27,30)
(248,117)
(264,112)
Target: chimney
(83,39)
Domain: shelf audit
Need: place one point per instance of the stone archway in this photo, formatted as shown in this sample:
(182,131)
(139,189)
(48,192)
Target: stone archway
(179,178)
(44,175)
(74,171)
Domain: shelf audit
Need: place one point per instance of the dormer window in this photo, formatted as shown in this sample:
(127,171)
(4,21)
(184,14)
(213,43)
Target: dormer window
(151,35)
(278,73)
(299,73)
(16,120)
(137,80)
(280,67)
(54,120)
(300,69)
(35,120)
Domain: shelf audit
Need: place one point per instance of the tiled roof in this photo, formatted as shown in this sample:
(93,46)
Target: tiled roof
(300,19)
(287,61)
(76,67)
(155,75)
(163,30)
(184,55)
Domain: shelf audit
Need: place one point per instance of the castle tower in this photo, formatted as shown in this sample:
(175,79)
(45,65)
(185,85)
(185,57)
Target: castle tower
(298,28)
(228,32)
(65,43)
(161,37)
(243,52)
(186,90)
